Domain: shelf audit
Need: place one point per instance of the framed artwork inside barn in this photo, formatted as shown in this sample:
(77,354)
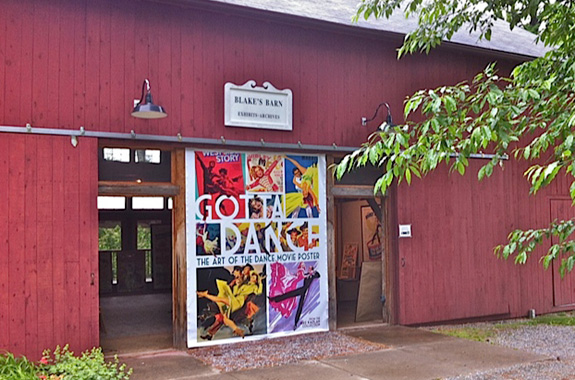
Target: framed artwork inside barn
(371,235)
(348,269)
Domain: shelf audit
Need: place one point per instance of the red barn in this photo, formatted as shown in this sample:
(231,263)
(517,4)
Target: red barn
(95,223)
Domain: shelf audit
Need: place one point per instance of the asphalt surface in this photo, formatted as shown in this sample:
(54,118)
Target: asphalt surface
(406,354)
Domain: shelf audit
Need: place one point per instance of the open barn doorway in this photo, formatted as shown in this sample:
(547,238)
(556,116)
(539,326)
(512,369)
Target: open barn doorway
(135,250)
(360,261)
(364,265)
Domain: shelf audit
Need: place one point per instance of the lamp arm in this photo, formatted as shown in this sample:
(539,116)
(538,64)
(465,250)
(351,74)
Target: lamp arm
(388,119)
(145,90)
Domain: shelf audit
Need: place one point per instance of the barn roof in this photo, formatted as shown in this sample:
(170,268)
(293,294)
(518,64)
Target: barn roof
(517,41)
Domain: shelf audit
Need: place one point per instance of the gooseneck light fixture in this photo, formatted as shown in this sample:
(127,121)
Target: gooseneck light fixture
(387,124)
(146,109)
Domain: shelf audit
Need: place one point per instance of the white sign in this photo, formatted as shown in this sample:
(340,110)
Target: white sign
(263,107)
(404,230)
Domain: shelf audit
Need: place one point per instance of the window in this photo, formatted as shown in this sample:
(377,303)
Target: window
(144,243)
(128,164)
(150,156)
(147,203)
(117,154)
(110,242)
(110,236)
(111,203)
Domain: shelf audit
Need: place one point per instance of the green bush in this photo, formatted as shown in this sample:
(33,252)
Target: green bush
(91,365)
(61,364)
(12,368)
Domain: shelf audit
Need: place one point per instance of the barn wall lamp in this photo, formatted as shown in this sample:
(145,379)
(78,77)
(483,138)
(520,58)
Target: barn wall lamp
(145,108)
(388,123)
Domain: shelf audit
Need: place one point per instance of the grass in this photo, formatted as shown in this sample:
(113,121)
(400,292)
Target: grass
(484,332)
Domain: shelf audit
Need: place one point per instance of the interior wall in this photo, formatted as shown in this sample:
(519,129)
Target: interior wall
(349,232)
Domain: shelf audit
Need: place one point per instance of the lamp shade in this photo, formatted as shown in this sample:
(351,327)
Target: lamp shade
(146,109)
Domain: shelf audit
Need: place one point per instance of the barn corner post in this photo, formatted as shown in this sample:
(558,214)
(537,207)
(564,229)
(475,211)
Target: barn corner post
(179,284)
(331,245)
(391,262)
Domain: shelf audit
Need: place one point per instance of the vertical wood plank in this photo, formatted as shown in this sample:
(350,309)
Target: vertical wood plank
(12,63)
(78,9)
(40,65)
(119,100)
(105,70)
(59,242)
(51,116)
(30,244)
(131,82)
(71,224)
(3,58)
(44,162)
(16,245)
(66,67)
(86,154)
(176,71)
(5,298)
(93,75)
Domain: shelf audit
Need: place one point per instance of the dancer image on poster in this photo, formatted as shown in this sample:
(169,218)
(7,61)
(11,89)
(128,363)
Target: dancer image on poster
(282,282)
(205,245)
(213,321)
(231,299)
(303,181)
(261,235)
(303,238)
(220,174)
(256,209)
(261,179)
(289,233)
(227,185)
(210,178)
(300,292)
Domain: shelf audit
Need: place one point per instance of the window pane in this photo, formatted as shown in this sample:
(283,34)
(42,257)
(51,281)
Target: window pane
(111,203)
(149,276)
(144,236)
(147,203)
(110,236)
(114,268)
(117,154)
(150,156)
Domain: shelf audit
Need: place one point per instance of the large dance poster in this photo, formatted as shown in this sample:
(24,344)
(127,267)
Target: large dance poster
(256,245)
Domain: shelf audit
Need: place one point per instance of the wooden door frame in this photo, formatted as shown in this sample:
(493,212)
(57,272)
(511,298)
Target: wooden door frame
(390,269)
(177,190)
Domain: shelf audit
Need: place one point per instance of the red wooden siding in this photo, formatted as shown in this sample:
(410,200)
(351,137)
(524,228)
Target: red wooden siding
(76,63)
(48,232)
(450,270)
(71,63)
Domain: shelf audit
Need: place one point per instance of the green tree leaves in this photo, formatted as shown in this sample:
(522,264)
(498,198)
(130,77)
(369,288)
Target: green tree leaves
(529,115)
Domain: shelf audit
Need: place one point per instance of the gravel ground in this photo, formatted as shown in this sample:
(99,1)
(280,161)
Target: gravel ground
(280,351)
(557,342)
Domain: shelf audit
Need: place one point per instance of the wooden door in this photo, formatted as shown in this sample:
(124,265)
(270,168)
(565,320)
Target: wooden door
(563,288)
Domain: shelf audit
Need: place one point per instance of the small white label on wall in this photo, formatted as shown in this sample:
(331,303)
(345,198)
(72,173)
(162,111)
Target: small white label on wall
(404,230)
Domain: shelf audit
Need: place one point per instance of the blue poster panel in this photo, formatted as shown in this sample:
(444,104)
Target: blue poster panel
(256,246)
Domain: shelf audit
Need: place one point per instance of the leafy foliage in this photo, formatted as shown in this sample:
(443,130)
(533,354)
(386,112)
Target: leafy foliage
(12,368)
(91,365)
(110,238)
(62,364)
(529,115)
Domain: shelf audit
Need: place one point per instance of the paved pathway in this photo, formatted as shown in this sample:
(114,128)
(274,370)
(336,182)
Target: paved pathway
(412,354)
